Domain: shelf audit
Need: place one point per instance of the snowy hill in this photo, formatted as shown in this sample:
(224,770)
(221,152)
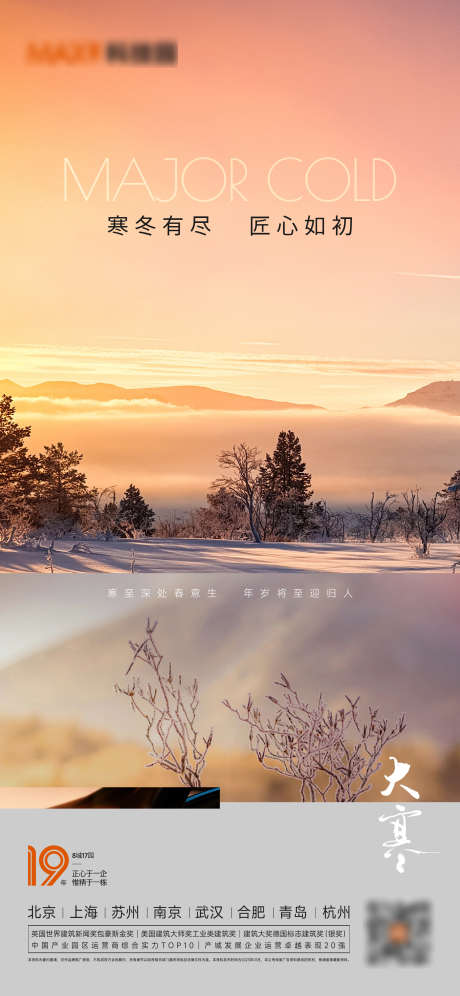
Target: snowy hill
(441,395)
(196,398)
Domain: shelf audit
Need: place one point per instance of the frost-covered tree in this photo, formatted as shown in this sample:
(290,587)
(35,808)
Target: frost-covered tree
(327,523)
(135,517)
(406,514)
(330,754)
(376,517)
(451,503)
(430,517)
(242,481)
(169,710)
(285,486)
(62,493)
(15,468)
(101,512)
(224,517)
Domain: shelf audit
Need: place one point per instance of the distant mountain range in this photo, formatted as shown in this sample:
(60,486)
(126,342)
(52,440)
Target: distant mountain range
(441,396)
(196,398)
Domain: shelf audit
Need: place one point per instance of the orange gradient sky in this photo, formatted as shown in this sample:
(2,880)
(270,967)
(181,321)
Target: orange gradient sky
(257,82)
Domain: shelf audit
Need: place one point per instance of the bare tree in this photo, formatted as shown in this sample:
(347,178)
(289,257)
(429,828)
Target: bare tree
(377,515)
(101,511)
(171,526)
(325,751)
(49,559)
(243,482)
(430,516)
(170,712)
(408,512)
(331,525)
(16,529)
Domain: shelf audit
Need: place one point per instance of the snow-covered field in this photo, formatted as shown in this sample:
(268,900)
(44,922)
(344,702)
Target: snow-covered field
(223,555)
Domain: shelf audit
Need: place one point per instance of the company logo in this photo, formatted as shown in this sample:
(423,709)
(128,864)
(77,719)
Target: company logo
(73,53)
(53,861)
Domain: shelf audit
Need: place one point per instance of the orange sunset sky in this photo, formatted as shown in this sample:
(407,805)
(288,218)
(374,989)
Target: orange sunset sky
(337,322)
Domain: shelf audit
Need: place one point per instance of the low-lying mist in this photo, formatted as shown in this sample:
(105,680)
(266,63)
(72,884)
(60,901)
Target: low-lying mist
(171,454)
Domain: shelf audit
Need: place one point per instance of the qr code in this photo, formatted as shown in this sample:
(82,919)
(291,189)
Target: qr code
(398,933)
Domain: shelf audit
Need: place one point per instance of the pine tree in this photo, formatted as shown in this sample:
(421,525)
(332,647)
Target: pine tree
(14,463)
(134,515)
(286,489)
(452,505)
(109,516)
(62,491)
